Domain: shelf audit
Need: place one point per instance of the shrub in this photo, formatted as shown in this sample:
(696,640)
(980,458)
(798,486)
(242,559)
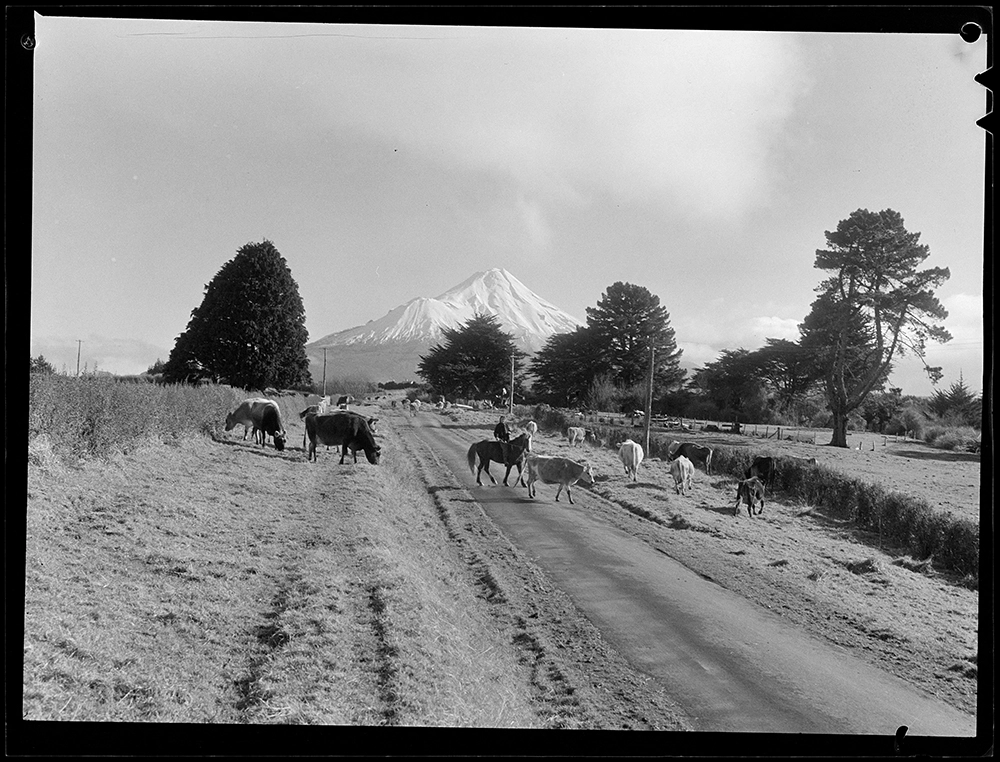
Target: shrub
(95,416)
(961,438)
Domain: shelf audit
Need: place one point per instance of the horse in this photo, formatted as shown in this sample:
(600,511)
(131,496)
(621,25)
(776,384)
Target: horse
(491,449)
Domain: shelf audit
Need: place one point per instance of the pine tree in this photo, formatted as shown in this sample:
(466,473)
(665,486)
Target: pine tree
(474,360)
(250,327)
(873,307)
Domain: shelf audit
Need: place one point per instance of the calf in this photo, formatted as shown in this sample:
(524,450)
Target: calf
(575,434)
(750,491)
(682,470)
(763,468)
(554,470)
(631,456)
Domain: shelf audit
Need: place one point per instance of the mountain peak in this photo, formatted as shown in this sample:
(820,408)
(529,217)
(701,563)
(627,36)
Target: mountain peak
(530,319)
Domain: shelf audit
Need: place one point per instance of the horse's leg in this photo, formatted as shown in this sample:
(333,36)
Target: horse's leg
(486,466)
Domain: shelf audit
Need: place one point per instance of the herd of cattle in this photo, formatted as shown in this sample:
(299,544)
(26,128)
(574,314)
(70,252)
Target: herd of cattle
(352,432)
(682,456)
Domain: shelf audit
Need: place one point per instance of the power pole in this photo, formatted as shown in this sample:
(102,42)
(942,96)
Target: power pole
(78,343)
(649,402)
(510,407)
(324,371)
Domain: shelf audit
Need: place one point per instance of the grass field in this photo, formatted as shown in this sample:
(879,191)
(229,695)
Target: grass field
(202,579)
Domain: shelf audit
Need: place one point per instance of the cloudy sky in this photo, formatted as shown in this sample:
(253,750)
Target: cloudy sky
(390,162)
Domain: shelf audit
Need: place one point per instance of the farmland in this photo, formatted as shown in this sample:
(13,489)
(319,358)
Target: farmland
(210,581)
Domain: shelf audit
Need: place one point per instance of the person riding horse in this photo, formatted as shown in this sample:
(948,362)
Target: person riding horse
(503,434)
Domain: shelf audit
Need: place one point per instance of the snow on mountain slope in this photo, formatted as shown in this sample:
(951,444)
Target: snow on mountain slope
(530,319)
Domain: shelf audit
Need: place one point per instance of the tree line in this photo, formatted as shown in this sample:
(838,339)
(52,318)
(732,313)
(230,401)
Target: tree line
(873,305)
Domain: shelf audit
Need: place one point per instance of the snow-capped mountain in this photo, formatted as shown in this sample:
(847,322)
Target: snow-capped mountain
(393,343)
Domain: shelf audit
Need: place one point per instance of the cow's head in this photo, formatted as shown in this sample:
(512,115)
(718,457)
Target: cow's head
(279,440)
(230,423)
(587,477)
(373,455)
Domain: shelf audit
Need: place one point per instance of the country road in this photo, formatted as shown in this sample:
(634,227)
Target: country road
(729,663)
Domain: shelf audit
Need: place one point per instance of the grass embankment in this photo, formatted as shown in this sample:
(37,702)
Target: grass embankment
(910,523)
(213,581)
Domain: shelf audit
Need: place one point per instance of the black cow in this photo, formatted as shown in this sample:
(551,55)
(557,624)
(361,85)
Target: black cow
(694,453)
(349,430)
(751,492)
(763,468)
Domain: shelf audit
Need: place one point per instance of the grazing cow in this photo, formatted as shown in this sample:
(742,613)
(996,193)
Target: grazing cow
(344,401)
(500,431)
(694,453)
(349,430)
(266,418)
(750,491)
(682,470)
(242,415)
(631,456)
(763,468)
(561,471)
(415,406)
(576,434)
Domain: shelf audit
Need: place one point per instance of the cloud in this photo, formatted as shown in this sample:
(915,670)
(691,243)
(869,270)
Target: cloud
(682,117)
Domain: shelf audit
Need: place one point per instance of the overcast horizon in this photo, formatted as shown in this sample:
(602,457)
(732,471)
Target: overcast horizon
(388,162)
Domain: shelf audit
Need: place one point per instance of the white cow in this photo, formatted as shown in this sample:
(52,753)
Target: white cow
(242,415)
(682,470)
(576,434)
(631,455)
(554,470)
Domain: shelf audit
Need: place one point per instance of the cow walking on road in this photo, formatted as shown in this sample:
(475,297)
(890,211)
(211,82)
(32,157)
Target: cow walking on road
(554,470)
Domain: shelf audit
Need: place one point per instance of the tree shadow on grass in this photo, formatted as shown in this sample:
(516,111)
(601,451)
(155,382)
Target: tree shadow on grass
(948,456)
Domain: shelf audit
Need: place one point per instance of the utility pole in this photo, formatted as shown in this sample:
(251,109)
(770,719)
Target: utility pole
(510,407)
(78,343)
(324,371)
(649,401)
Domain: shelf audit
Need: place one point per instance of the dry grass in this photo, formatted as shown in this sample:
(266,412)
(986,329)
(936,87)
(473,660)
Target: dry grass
(218,582)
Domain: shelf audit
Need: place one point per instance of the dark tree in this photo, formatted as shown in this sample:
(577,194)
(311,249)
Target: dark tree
(474,361)
(874,306)
(626,320)
(250,327)
(788,369)
(156,367)
(41,365)
(564,368)
(733,384)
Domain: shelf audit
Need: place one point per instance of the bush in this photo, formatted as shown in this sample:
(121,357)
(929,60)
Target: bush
(95,416)
(961,438)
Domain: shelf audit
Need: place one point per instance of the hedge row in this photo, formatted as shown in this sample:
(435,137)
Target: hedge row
(94,416)
(901,521)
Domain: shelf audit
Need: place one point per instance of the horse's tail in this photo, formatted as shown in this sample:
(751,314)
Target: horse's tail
(472,459)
